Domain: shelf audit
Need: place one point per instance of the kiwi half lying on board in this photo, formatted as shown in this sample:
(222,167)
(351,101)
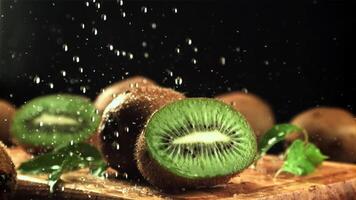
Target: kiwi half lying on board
(333,130)
(195,142)
(7,112)
(256,111)
(113,90)
(7,174)
(123,120)
(51,121)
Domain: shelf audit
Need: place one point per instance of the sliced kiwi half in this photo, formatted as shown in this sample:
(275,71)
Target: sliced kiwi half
(7,174)
(51,121)
(196,142)
(124,119)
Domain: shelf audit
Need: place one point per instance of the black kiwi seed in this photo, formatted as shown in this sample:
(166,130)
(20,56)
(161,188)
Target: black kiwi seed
(51,121)
(110,92)
(193,143)
(7,112)
(7,174)
(123,120)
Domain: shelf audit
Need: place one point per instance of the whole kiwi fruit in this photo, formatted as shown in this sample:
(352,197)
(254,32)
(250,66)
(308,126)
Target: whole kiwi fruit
(111,91)
(193,143)
(47,122)
(124,119)
(256,111)
(333,130)
(7,112)
(7,174)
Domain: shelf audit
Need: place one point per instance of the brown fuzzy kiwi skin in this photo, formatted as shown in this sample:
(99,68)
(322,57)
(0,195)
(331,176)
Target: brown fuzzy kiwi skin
(257,112)
(158,176)
(7,168)
(7,112)
(111,91)
(331,129)
(128,119)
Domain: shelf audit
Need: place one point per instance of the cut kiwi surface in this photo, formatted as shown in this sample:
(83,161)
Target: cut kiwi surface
(7,112)
(50,121)
(195,142)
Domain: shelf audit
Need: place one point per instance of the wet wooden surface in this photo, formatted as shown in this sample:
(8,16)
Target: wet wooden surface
(330,181)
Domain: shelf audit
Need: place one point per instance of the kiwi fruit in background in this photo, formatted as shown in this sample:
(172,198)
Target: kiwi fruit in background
(111,91)
(51,121)
(333,130)
(193,143)
(7,112)
(123,120)
(7,174)
(257,112)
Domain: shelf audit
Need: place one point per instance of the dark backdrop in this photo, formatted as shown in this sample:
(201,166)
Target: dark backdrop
(294,55)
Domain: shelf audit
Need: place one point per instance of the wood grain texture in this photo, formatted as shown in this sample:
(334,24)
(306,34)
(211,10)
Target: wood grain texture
(334,181)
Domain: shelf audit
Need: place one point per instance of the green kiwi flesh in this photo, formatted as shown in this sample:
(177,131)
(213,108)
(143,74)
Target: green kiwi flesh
(124,119)
(51,121)
(195,142)
(7,174)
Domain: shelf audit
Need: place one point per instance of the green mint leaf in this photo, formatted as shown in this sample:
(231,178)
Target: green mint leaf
(302,158)
(64,159)
(276,134)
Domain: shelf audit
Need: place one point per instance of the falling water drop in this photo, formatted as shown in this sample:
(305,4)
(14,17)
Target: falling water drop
(76,59)
(222,61)
(65,47)
(95,31)
(37,79)
(103,17)
(64,73)
(144,9)
(178,80)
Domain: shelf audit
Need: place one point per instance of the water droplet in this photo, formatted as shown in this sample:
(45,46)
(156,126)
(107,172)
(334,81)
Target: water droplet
(65,47)
(117,52)
(82,25)
(144,9)
(194,61)
(266,62)
(144,44)
(117,146)
(95,31)
(131,56)
(175,10)
(189,41)
(51,85)
(81,70)
(146,55)
(178,80)
(87,4)
(153,25)
(76,59)
(177,50)
(244,90)
(127,129)
(123,53)
(110,46)
(71,142)
(103,17)
(222,61)
(195,49)
(64,73)
(37,79)
(97,5)
(83,89)
(121,2)
(123,14)
(116,133)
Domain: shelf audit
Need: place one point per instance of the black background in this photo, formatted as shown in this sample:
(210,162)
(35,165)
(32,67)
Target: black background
(294,55)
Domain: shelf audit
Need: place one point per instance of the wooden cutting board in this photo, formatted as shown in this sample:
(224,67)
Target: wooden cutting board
(330,181)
